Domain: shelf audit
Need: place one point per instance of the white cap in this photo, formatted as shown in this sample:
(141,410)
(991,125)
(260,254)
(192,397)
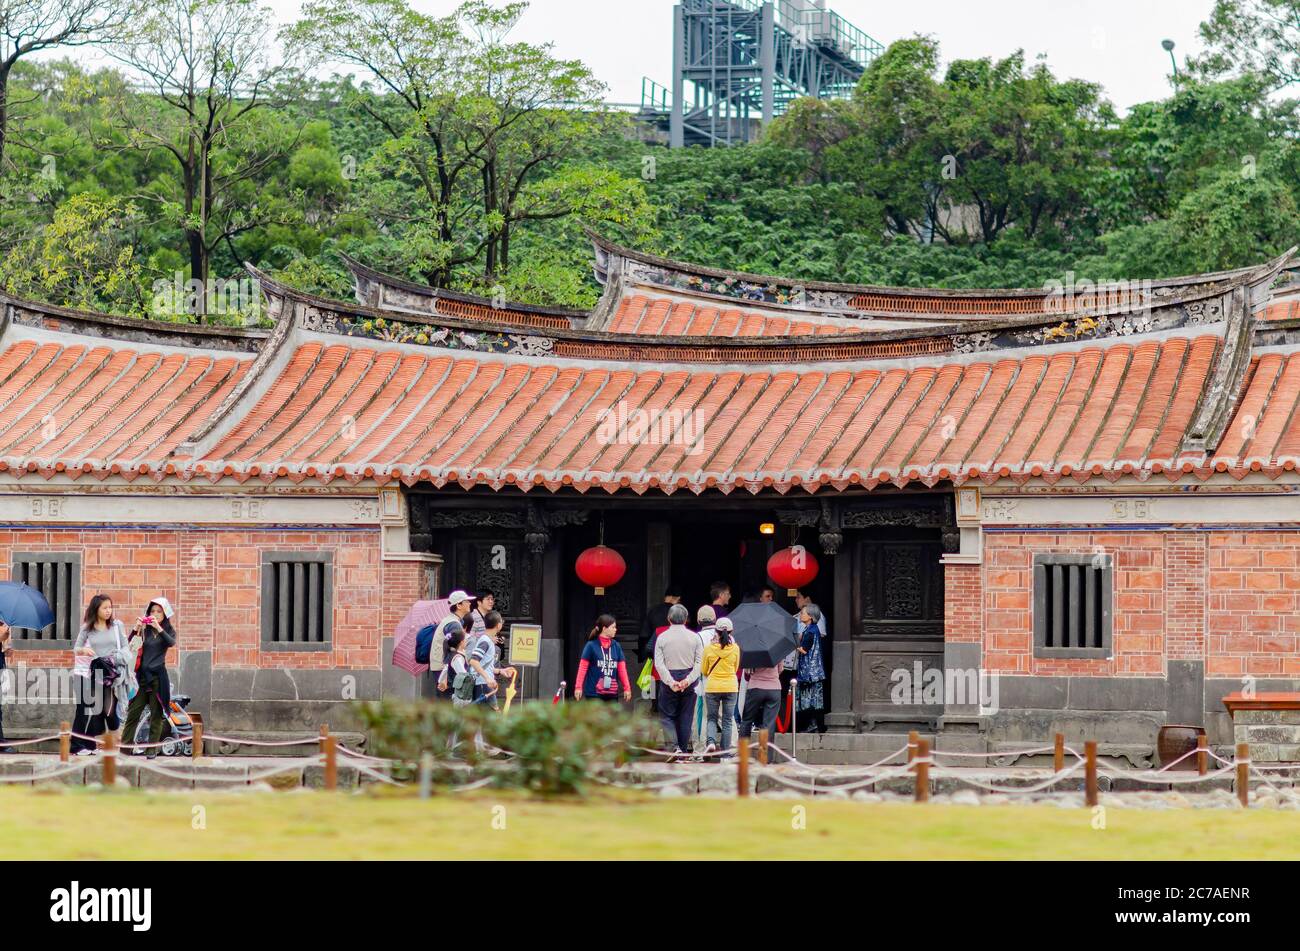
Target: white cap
(724,624)
(457,596)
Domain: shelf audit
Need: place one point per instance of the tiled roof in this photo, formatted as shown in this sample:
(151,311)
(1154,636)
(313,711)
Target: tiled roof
(1285,306)
(643,314)
(342,411)
(348,412)
(323,397)
(85,407)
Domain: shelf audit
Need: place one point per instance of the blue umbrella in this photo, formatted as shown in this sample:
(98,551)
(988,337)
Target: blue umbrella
(24,606)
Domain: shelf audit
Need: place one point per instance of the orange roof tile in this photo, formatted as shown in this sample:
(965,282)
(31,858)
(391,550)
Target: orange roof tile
(659,316)
(491,420)
(78,406)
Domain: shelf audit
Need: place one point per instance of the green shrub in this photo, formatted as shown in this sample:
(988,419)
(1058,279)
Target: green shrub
(553,748)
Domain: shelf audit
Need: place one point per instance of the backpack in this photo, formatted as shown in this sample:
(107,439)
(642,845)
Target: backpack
(424,643)
(463,688)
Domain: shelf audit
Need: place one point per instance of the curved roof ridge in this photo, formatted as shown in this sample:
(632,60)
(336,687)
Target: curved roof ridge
(605,246)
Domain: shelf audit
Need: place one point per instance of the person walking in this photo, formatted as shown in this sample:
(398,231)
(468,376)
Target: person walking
(482,659)
(705,629)
(812,674)
(678,656)
(100,638)
(455,666)
(6,652)
(460,603)
(151,637)
(762,699)
(602,669)
(719,666)
(485,602)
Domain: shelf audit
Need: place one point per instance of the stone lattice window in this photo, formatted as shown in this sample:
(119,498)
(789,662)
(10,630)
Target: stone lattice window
(297,601)
(1073,605)
(57,575)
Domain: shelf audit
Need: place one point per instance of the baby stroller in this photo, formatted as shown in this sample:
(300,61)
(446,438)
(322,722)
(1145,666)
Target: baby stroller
(178,730)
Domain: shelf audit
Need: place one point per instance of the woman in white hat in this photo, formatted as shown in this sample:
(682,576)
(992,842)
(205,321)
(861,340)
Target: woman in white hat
(152,635)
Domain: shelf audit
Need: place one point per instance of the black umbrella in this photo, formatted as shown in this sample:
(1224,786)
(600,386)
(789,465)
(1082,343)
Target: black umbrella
(764,631)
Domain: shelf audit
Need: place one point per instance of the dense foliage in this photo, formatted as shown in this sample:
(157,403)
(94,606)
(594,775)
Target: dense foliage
(442,150)
(544,748)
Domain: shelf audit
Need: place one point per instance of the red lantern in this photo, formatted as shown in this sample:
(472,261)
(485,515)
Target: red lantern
(600,567)
(792,568)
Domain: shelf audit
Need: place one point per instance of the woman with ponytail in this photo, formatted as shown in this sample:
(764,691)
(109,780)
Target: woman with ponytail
(603,668)
(719,667)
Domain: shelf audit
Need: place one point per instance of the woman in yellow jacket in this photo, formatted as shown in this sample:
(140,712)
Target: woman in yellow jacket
(719,667)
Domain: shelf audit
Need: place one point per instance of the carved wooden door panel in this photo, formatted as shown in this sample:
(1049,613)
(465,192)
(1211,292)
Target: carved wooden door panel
(897,624)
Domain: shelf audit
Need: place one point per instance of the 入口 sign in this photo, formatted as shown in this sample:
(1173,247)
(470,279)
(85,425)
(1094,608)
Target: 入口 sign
(525,645)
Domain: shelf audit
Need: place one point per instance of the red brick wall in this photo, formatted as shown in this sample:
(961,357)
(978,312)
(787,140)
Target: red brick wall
(1140,598)
(1253,615)
(212,578)
(963,620)
(1186,577)
(1231,599)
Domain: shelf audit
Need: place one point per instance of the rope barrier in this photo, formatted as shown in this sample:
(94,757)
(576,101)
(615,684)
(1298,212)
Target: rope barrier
(226,739)
(317,760)
(47,774)
(40,739)
(1009,790)
(1159,778)
(359,755)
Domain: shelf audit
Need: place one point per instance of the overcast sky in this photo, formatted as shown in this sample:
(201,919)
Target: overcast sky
(1112,42)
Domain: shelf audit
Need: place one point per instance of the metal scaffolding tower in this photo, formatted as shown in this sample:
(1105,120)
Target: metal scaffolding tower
(737,64)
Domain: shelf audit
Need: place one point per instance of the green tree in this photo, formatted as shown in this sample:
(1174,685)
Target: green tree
(1260,37)
(85,257)
(483,136)
(211,69)
(31,26)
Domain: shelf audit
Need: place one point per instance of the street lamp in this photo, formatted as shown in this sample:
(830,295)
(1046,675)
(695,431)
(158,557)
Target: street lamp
(1169,48)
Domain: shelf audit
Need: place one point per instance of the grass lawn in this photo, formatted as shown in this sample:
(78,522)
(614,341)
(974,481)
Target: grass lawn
(51,823)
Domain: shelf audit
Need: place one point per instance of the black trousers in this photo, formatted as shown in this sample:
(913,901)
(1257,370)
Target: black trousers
(761,706)
(95,715)
(676,713)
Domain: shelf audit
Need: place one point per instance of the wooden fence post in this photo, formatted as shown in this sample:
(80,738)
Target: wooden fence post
(762,747)
(331,762)
(196,745)
(65,741)
(1090,772)
(913,738)
(1243,773)
(1058,754)
(110,761)
(742,767)
(1202,757)
(922,771)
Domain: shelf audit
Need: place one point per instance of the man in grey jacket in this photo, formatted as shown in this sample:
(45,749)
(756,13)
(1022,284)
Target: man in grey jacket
(678,655)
